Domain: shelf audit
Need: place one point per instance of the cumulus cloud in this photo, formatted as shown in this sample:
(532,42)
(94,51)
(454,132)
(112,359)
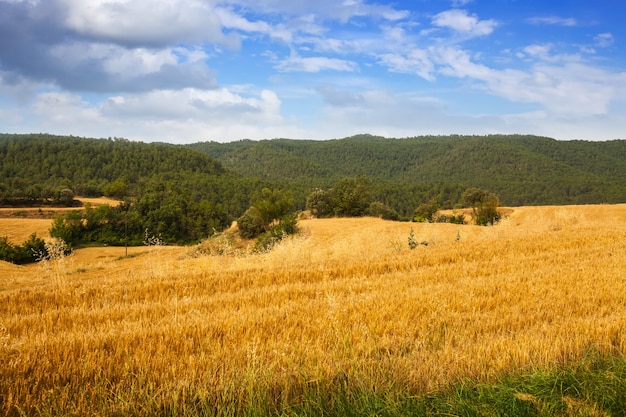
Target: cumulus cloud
(89,46)
(165,115)
(415,61)
(139,23)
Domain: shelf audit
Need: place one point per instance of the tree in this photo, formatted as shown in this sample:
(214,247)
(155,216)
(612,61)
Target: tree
(425,212)
(273,205)
(383,211)
(117,189)
(320,204)
(250,224)
(267,214)
(484,206)
(351,196)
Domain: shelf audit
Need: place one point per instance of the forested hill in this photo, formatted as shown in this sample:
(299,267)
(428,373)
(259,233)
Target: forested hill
(40,162)
(176,192)
(521,170)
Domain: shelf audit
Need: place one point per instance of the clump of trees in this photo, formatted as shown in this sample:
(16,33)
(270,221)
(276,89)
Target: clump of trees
(163,208)
(30,251)
(350,197)
(269,219)
(484,206)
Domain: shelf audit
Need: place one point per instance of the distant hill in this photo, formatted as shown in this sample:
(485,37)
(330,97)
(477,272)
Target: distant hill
(222,179)
(521,170)
(176,192)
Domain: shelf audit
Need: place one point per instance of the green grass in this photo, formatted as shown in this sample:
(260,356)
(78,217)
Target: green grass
(595,386)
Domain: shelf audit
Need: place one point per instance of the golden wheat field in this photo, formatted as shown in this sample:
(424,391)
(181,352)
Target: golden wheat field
(345,300)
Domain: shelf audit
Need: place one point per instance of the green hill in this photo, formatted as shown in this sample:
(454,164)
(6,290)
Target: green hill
(521,170)
(172,191)
(186,192)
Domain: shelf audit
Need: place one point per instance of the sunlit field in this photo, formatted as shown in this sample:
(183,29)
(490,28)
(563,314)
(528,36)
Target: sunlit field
(346,307)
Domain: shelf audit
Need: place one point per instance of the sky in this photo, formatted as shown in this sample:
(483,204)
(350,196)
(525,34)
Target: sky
(184,71)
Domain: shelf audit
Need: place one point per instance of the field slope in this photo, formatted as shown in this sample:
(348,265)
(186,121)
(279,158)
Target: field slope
(344,309)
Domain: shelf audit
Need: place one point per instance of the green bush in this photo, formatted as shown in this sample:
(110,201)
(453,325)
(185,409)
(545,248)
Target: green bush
(250,224)
(287,226)
(383,211)
(28,252)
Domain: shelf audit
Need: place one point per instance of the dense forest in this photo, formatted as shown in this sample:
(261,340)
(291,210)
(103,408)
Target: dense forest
(173,192)
(521,170)
(182,193)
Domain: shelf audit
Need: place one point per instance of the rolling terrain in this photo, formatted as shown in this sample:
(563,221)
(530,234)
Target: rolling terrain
(343,310)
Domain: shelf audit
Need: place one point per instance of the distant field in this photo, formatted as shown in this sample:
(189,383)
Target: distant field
(19,223)
(345,306)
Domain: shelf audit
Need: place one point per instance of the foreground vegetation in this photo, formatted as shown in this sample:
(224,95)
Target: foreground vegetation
(523,318)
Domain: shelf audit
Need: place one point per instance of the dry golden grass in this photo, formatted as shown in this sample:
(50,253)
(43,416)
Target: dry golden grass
(19,223)
(347,300)
(19,230)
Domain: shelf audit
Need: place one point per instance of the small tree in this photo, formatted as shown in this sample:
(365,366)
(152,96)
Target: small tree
(250,224)
(425,212)
(351,196)
(271,213)
(272,206)
(320,204)
(484,206)
(383,211)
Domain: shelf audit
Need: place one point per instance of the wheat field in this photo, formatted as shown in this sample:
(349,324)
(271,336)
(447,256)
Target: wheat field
(345,303)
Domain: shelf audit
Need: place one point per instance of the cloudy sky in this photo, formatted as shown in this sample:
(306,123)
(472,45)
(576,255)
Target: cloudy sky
(182,71)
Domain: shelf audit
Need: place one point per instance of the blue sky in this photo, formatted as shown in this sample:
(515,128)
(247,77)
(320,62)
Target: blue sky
(183,71)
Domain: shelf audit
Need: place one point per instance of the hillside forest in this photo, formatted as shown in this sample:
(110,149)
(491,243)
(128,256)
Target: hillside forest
(184,193)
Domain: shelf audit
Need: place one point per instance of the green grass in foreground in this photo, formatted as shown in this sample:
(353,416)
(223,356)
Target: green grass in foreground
(596,386)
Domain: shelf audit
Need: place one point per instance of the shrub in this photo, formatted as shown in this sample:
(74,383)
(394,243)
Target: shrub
(484,206)
(25,253)
(426,212)
(250,224)
(383,211)
(320,204)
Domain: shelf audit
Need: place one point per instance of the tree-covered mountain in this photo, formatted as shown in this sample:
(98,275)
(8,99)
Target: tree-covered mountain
(521,170)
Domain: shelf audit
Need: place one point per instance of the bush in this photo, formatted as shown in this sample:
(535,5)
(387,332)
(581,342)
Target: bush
(484,206)
(250,224)
(383,211)
(320,204)
(426,212)
(285,227)
(28,252)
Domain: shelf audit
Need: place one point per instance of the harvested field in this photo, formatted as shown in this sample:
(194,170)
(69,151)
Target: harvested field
(346,305)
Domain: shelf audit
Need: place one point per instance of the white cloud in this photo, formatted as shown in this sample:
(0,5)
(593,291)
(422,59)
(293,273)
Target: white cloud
(459,21)
(552,20)
(416,61)
(315,64)
(163,115)
(604,40)
(137,22)
(572,88)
